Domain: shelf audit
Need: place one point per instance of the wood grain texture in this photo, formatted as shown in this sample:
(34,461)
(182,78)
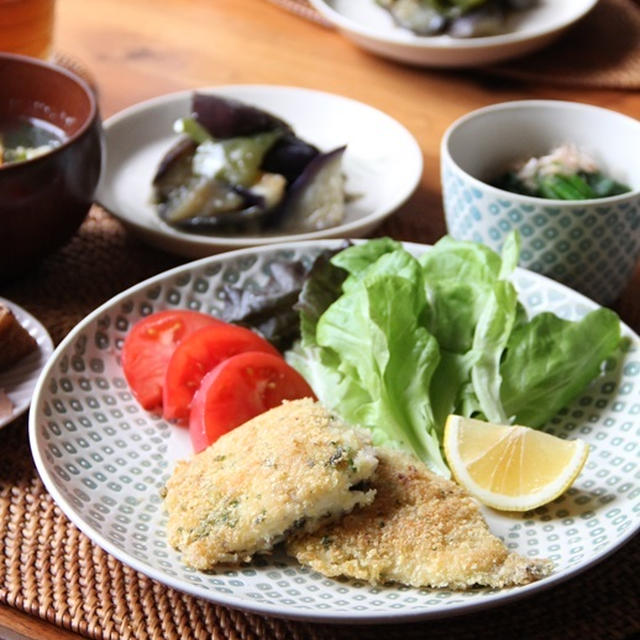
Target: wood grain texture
(15,625)
(138,49)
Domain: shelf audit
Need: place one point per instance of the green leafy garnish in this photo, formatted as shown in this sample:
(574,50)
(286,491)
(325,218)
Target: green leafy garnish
(395,344)
(559,186)
(370,358)
(549,361)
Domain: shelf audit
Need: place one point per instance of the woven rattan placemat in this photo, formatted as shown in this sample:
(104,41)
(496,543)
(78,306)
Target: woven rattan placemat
(601,51)
(51,570)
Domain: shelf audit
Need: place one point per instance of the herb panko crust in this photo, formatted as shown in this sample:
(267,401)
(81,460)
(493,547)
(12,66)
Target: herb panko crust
(422,530)
(294,467)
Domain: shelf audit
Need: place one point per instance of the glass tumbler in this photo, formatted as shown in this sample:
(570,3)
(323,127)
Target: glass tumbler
(26,27)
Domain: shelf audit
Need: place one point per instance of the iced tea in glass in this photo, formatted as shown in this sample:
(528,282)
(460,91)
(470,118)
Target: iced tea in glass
(26,27)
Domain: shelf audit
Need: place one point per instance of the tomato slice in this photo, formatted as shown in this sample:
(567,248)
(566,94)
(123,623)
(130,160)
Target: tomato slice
(196,356)
(239,389)
(148,348)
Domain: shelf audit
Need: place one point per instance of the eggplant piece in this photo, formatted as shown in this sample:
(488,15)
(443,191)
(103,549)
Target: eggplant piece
(199,196)
(174,169)
(423,20)
(212,184)
(486,21)
(289,156)
(229,118)
(316,199)
(519,5)
(250,206)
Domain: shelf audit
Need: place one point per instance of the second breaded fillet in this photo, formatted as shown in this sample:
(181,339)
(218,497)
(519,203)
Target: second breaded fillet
(422,530)
(294,467)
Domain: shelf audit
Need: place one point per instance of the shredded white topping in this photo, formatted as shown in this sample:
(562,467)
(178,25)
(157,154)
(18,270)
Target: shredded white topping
(566,159)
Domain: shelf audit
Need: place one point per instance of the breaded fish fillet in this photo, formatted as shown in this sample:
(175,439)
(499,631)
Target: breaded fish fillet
(294,467)
(421,530)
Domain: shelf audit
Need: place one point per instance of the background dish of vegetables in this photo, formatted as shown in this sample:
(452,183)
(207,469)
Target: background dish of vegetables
(382,163)
(104,458)
(374,28)
(458,18)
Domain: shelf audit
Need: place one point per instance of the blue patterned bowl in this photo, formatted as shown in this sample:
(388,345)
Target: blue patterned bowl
(589,245)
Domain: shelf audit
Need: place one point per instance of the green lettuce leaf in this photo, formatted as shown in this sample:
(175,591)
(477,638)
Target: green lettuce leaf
(549,362)
(360,257)
(459,277)
(451,387)
(510,255)
(369,345)
(396,344)
(472,311)
(489,342)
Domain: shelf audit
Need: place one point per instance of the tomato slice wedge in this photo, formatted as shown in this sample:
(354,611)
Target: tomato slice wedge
(148,348)
(239,389)
(196,356)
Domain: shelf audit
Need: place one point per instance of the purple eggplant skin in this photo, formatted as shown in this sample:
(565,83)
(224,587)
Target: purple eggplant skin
(289,156)
(519,4)
(253,212)
(174,168)
(300,210)
(256,202)
(199,196)
(228,118)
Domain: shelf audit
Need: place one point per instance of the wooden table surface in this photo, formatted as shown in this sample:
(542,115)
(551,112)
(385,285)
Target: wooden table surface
(138,49)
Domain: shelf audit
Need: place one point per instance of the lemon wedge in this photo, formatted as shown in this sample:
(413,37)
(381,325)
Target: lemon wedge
(511,468)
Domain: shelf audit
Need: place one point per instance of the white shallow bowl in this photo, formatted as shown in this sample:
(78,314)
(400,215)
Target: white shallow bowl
(373,28)
(382,163)
(104,460)
(19,381)
(589,245)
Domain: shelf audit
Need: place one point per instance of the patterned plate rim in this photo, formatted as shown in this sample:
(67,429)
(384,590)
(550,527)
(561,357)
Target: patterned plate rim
(285,611)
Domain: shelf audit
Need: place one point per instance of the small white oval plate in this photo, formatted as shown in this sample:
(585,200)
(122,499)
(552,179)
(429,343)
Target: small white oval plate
(104,460)
(19,381)
(373,28)
(382,163)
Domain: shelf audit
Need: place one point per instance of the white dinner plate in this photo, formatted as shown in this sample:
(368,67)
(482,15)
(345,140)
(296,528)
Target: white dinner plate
(19,381)
(105,460)
(373,28)
(382,162)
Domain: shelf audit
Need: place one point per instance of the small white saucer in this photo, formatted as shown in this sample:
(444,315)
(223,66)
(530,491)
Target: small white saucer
(19,381)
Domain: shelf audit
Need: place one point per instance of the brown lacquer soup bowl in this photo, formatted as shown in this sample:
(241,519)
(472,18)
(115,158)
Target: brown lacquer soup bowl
(51,154)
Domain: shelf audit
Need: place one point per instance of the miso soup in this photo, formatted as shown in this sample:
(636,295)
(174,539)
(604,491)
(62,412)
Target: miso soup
(26,138)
